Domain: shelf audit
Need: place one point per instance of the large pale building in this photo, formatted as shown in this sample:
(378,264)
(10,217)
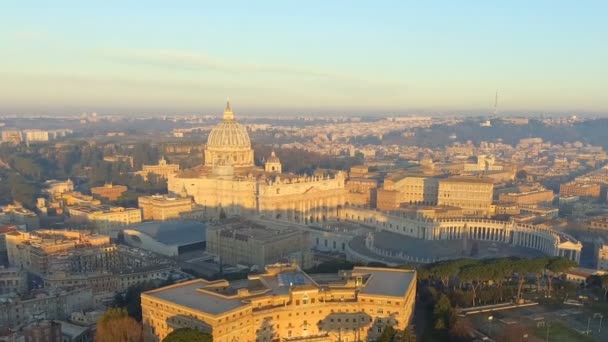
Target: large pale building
(472,194)
(230,184)
(12,136)
(106,217)
(408,189)
(285,304)
(163,207)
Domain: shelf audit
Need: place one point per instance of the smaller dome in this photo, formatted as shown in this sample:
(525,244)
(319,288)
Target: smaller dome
(273,158)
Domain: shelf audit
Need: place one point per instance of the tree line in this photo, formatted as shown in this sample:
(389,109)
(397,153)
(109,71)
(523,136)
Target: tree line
(446,285)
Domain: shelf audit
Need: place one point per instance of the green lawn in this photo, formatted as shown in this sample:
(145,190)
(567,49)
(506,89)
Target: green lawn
(561,333)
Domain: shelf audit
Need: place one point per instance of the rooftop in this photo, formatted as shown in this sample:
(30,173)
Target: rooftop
(468,179)
(386,282)
(265,231)
(219,297)
(177,232)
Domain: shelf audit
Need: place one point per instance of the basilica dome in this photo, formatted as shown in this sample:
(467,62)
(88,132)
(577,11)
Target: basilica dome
(229,143)
(229,133)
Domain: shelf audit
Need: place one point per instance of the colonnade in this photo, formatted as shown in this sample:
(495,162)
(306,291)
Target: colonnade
(546,240)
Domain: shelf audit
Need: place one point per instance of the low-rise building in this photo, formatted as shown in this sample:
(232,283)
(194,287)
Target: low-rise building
(36,135)
(529,197)
(162,169)
(12,136)
(65,259)
(47,331)
(44,304)
(109,191)
(505,208)
(285,304)
(169,238)
(579,275)
(581,189)
(599,222)
(239,241)
(361,191)
(76,198)
(18,215)
(12,280)
(46,251)
(4,230)
(164,207)
(71,332)
(57,187)
(601,256)
(105,217)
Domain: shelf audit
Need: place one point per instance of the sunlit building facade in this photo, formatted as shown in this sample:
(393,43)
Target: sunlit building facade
(285,304)
(230,184)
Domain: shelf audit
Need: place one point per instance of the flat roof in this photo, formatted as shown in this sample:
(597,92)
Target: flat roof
(468,179)
(201,295)
(175,232)
(188,295)
(386,281)
(72,330)
(264,231)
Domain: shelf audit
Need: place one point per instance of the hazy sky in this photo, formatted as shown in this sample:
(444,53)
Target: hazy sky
(341,56)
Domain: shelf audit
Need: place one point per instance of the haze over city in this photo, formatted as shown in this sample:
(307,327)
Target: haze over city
(277,57)
(322,171)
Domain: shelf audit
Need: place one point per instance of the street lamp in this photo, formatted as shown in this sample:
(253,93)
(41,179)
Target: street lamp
(490,319)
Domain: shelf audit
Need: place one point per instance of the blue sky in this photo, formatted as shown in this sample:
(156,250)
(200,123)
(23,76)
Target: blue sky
(303,56)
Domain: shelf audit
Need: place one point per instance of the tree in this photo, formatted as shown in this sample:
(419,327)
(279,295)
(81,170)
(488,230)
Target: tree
(23,191)
(387,335)
(521,174)
(555,267)
(130,300)
(332,266)
(116,326)
(604,280)
(187,335)
(500,269)
(407,335)
(222,214)
(462,328)
(523,267)
(443,312)
(445,270)
(476,276)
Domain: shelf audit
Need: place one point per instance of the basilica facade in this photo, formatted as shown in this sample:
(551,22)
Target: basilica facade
(229,183)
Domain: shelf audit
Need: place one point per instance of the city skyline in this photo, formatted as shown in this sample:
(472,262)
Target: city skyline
(339,57)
